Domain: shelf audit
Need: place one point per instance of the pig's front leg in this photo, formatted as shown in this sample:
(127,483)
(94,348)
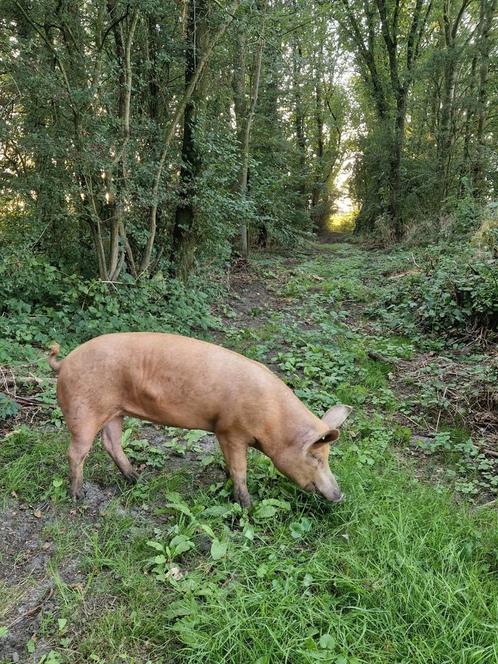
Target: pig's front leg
(235,453)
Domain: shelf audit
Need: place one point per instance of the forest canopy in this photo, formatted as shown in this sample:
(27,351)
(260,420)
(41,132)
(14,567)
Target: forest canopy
(150,136)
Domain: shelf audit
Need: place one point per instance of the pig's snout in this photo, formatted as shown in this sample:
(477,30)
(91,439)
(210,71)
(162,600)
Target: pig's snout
(339,498)
(327,486)
(334,496)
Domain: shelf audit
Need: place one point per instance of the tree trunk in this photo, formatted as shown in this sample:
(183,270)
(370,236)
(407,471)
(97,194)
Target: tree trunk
(245,109)
(318,183)
(191,158)
(487,12)
(170,133)
(395,175)
(299,122)
(447,105)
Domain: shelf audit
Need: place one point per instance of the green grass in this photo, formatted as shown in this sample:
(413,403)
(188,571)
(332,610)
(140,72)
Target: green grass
(172,571)
(398,573)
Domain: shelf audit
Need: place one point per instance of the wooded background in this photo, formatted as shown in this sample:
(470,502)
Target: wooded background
(145,136)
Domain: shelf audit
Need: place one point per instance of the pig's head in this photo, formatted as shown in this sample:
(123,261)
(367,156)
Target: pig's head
(307,462)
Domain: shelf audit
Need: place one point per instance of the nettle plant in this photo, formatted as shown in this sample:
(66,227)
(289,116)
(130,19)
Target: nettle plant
(44,303)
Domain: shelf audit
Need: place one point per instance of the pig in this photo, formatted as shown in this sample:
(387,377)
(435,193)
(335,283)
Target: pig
(182,382)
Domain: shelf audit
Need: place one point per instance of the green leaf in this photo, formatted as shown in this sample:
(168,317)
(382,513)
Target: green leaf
(265,512)
(178,609)
(283,504)
(208,530)
(249,532)
(218,549)
(327,642)
(217,510)
(186,545)
(180,507)
(262,571)
(8,407)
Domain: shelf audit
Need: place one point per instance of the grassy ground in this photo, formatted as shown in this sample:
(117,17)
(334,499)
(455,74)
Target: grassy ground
(405,571)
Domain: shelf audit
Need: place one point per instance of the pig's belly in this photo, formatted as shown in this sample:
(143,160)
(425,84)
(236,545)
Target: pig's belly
(185,415)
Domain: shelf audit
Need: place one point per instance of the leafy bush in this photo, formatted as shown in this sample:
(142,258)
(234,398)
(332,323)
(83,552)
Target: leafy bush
(451,293)
(487,235)
(39,304)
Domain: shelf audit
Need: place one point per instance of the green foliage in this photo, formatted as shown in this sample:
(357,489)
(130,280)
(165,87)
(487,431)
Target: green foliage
(8,407)
(420,156)
(172,570)
(58,490)
(487,235)
(39,303)
(465,212)
(471,471)
(315,371)
(140,451)
(33,464)
(453,292)
(192,583)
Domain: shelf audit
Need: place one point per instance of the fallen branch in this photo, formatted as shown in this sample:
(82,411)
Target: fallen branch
(34,610)
(490,504)
(26,380)
(486,450)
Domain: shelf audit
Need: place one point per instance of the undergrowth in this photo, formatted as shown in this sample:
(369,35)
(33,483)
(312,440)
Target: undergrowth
(452,291)
(397,573)
(42,303)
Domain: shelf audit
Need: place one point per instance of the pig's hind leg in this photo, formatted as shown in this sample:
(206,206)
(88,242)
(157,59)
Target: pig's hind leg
(235,452)
(111,438)
(81,444)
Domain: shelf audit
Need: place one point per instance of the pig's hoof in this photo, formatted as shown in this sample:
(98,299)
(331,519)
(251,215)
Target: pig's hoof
(132,476)
(243,498)
(77,494)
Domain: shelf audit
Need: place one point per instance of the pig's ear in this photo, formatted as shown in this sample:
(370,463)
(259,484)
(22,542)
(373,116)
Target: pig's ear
(329,437)
(336,416)
(325,439)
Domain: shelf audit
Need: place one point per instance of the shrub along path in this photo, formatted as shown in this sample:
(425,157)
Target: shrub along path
(170,570)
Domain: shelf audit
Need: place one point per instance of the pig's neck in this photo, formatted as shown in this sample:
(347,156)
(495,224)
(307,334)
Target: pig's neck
(296,426)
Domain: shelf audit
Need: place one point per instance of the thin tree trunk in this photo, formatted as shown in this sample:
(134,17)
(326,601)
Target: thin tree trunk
(299,120)
(170,133)
(245,132)
(487,12)
(400,88)
(191,158)
(116,176)
(318,183)
(447,112)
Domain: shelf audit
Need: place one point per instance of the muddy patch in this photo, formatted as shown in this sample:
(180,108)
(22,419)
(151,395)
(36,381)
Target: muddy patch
(27,590)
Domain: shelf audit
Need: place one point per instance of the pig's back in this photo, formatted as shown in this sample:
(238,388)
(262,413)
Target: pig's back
(157,354)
